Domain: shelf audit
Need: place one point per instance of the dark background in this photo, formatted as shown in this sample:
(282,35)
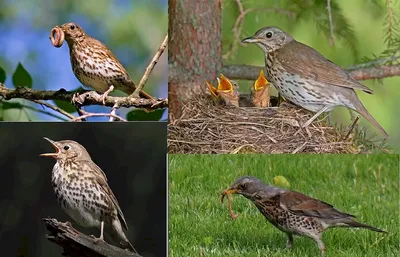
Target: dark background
(133,157)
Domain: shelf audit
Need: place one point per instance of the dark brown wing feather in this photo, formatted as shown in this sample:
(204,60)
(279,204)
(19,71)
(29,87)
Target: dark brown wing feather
(314,66)
(101,179)
(301,204)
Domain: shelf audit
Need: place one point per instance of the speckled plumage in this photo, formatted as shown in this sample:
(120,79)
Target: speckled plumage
(306,78)
(82,190)
(292,212)
(94,64)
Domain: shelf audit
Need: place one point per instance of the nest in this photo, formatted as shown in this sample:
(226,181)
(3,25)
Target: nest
(207,128)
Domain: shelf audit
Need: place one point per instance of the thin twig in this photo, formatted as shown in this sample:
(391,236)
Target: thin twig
(150,67)
(87,115)
(332,38)
(351,128)
(55,108)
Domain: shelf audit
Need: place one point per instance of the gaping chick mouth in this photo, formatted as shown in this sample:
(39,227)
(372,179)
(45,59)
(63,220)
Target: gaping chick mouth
(54,155)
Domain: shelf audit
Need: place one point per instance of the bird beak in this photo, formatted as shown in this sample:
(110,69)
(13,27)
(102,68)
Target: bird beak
(250,40)
(261,81)
(224,84)
(230,191)
(55,147)
(212,89)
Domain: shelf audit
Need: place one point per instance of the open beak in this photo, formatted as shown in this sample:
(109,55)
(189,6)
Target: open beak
(250,40)
(224,84)
(261,81)
(212,89)
(55,147)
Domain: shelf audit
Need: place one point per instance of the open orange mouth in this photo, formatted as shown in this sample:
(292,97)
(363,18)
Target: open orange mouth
(54,155)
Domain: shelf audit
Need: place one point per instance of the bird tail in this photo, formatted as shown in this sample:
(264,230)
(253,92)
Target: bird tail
(359,107)
(356,224)
(119,241)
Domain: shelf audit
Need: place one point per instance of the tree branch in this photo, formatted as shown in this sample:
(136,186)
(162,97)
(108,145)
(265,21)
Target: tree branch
(85,98)
(150,68)
(76,244)
(249,72)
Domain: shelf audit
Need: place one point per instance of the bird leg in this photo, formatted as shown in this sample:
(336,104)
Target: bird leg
(105,94)
(289,242)
(101,238)
(307,123)
(321,245)
(315,116)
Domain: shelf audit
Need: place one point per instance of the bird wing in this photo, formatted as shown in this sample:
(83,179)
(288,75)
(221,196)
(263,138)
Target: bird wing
(101,179)
(315,66)
(102,49)
(301,204)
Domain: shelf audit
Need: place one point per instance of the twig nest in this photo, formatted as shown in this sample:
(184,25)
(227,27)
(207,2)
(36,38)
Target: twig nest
(57,37)
(206,128)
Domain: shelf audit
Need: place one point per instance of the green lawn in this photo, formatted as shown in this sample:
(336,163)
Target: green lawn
(366,186)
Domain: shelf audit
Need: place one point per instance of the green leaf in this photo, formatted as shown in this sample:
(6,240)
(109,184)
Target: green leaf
(10,105)
(140,115)
(66,106)
(21,77)
(2,75)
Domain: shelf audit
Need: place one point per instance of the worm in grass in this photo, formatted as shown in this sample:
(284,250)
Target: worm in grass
(57,36)
(233,215)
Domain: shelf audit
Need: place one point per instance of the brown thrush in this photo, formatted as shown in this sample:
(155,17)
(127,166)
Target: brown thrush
(93,63)
(260,91)
(306,78)
(226,91)
(82,191)
(292,212)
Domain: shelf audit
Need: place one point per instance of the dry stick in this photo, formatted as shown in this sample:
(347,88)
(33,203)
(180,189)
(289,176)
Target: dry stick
(328,7)
(352,127)
(150,68)
(55,108)
(76,244)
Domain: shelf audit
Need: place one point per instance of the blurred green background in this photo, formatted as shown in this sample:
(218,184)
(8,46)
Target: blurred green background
(361,32)
(133,30)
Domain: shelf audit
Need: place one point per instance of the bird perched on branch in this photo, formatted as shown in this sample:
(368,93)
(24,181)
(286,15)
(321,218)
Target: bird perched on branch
(292,212)
(306,78)
(82,191)
(93,64)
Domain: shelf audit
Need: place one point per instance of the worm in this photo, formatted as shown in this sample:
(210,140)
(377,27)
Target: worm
(233,215)
(57,37)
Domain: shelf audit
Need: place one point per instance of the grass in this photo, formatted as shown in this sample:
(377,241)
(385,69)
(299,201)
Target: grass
(366,186)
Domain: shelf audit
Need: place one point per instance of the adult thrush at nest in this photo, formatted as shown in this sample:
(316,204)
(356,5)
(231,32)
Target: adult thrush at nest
(93,63)
(292,212)
(82,191)
(306,78)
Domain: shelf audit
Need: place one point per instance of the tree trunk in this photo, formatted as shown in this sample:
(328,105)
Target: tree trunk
(194,53)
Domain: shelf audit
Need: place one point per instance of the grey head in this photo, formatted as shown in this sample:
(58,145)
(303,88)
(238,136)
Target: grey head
(269,39)
(249,187)
(67,149)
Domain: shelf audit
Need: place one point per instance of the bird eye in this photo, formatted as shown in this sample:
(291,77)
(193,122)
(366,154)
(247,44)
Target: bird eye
(66,147)
(242,186)
(72,27)
(268,35)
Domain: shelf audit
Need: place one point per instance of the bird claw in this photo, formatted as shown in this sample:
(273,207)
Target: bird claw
(97,239)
